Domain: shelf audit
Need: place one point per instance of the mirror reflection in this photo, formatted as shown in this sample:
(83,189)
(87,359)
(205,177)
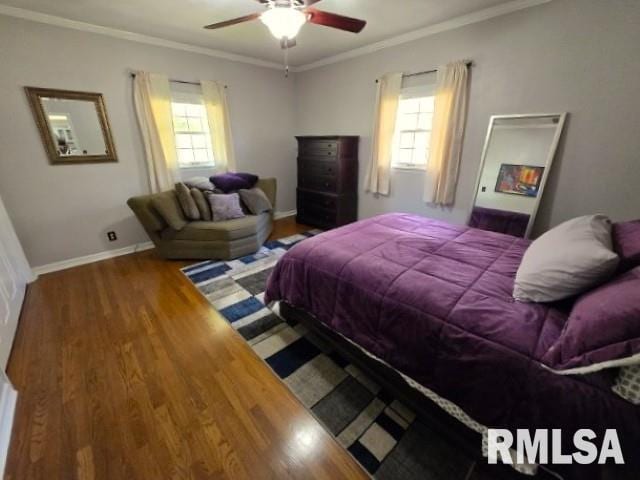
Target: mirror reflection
(517,156)
(75,126)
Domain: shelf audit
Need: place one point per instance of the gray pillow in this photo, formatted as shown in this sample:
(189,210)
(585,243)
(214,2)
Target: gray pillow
(202,204)
(167,205)
(255,200)
(225,206)
(567,260)
(187,202)
(201,183)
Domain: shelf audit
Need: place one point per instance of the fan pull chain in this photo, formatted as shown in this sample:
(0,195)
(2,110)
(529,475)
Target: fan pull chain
(286,58)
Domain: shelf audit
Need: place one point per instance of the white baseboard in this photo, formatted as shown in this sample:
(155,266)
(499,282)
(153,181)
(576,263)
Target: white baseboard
(288,213)
(8,398)
(94,257)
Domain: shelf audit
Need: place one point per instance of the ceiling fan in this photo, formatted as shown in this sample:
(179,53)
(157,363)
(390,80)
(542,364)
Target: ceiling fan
(285,17)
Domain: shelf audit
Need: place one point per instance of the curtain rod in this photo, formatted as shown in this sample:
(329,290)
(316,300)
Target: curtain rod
(177,81)
(425,72)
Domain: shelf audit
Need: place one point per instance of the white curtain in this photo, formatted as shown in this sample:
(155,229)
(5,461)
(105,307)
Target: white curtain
(387,99)
(446,137)
(152,100)
(215,100)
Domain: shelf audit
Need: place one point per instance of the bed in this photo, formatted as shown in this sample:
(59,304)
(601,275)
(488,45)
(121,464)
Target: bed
(432,301)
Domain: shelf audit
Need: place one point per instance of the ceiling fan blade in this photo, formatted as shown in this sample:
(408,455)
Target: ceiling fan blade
(287,43)
(335,21)
(235,21)
(308,3)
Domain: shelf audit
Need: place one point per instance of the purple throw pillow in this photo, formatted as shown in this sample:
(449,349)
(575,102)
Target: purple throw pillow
(626,242)
(248,177)
(230,182)
(225,207)
(603,329)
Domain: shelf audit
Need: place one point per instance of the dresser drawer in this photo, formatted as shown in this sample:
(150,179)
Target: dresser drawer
(316,218)
(318,200)
(319,147)
(320,183)
(317,167)
(318,155)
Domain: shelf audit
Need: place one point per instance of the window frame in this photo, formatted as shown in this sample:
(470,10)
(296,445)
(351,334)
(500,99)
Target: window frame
(192,98)
(421,91)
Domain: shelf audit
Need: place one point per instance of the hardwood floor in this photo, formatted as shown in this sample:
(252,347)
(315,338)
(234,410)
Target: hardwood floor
(124,371)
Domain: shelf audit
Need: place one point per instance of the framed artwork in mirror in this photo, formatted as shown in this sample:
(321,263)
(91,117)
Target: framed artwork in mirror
(519,179)
(73,126)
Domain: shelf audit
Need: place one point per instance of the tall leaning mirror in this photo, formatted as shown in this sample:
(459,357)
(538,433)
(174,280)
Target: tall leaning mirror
(516,161)
(74,126)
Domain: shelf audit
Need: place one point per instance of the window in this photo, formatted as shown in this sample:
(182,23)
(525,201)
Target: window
(191,128)
(413,128)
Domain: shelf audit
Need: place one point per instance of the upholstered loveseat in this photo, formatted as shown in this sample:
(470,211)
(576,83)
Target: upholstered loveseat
(202,239)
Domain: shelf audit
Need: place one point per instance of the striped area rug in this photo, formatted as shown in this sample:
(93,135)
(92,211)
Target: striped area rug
(379,431)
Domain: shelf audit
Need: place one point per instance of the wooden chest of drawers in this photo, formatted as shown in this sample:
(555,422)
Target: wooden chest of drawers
(327,181)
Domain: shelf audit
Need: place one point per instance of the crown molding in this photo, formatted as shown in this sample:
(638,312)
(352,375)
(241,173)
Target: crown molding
(131,36)
(457,22)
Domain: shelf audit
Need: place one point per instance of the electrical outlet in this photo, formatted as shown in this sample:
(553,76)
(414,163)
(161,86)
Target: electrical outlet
(112,236)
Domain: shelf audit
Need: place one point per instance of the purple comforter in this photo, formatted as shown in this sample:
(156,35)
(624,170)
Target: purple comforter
(434,301)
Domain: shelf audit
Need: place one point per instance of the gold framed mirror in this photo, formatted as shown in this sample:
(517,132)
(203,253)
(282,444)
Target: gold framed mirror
(74,126)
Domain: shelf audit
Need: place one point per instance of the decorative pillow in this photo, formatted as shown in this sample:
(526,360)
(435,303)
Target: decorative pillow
(250,178)
(603,329)
(187,202)
(626,242)
(255,200)
(225,207)
(567,260)
(231,182)
(202,204)
(628,384)
(201,183)
(167,205)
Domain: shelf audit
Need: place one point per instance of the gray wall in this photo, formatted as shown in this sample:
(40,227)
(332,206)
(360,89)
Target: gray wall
(63,211)
(579,56)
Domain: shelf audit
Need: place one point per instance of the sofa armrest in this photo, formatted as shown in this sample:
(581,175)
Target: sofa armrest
(269,187)
(150,219)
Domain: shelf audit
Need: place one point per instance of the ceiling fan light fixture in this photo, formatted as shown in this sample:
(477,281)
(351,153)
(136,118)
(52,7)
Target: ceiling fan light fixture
(283,22)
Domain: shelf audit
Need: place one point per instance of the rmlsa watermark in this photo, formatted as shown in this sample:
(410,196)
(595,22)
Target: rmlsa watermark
(545,447)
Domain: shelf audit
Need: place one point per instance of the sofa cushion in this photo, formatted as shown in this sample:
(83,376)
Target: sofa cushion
(255,200)
(225,230)
(201,183)
(187,202)
(230,182)
(250,178)
(225,206)
(268,186)
(202,203)
(167,205)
